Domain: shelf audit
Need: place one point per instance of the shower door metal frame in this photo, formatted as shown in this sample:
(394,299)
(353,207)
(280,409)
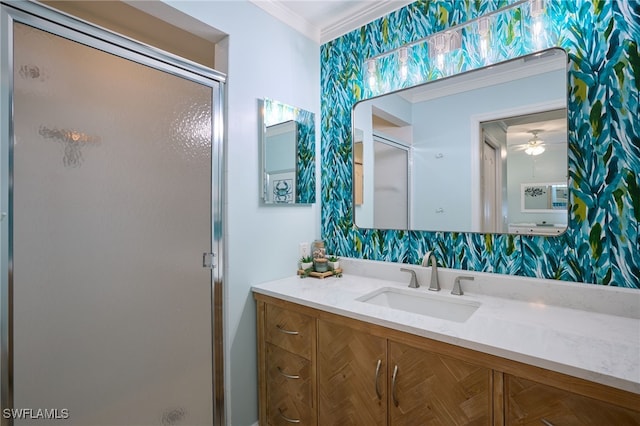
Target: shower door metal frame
(50,20)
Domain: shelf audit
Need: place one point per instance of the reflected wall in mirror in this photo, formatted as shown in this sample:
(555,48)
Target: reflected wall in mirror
(287,146)
(462,147)
(543,197)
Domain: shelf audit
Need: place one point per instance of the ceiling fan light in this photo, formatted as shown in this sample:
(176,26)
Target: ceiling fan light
(534,149)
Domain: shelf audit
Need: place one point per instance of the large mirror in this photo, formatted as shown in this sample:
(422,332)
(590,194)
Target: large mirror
(287,147)
(453,154)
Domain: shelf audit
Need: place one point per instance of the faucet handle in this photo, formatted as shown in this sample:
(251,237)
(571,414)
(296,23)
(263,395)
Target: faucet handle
(414,279)
(457,288)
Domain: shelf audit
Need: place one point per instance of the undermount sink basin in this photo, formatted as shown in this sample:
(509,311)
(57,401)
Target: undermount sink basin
(417,302)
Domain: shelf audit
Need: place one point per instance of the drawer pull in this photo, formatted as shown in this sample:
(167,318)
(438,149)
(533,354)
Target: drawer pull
(546,422)
(282,330)
(287,419)
(393,386)
(378,380)
(288,376)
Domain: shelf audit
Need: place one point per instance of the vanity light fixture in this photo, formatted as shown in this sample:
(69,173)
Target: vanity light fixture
(438,47)
(444,42)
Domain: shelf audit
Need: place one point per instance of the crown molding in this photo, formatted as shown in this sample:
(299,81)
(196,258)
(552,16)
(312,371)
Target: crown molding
(342,23)
(276,9)
(355,19)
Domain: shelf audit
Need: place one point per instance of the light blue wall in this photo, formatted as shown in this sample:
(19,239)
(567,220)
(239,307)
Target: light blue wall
(551,166)
(266,59)
(446,129)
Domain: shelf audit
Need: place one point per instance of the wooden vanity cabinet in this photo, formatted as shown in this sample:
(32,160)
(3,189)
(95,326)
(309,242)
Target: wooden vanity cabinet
(532,403)
(287,359)
(352,379)
(344,373)
(365,379)
(355,364)
(437,389)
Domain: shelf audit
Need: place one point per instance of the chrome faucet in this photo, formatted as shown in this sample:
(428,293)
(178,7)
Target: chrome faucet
(414,279)
(434,285)
(457,288)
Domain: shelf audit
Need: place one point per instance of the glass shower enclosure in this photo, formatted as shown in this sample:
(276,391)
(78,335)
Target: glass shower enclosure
(111,160)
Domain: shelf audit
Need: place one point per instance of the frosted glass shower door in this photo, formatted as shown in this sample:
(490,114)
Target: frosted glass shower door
(112,196)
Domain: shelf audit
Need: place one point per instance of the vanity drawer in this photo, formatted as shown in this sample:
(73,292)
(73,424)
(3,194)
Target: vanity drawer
(289,330)
(531,403)
(290,388)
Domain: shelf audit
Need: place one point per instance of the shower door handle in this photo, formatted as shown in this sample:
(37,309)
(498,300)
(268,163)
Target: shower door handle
(208,260)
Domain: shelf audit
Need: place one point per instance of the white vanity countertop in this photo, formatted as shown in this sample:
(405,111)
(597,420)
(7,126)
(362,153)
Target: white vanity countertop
(531,323)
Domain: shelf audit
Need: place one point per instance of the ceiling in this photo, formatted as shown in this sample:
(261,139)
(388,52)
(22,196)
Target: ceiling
(324,20)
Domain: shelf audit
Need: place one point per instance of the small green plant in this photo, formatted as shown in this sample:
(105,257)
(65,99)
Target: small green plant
(332,259)
(306,272)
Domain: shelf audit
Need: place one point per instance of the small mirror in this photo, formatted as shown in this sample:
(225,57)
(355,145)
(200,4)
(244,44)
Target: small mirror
(287,154)
(451,154)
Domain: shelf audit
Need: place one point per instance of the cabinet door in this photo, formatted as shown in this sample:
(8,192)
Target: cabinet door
(351,393)
(531,403)
(428,388)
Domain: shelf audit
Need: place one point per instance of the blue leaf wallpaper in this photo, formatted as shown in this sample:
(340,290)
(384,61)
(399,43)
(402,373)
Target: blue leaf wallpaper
(306,158)
(602,243)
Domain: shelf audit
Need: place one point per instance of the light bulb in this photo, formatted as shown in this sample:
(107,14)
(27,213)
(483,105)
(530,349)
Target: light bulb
(403,58)
(371,71)
(483,31)
(537,29)
(537,13)
(403,71)
(372,81)
(484,48)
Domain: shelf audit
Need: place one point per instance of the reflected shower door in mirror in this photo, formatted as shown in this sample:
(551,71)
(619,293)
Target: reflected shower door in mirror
(287,146)
(471,140)
(388,190)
